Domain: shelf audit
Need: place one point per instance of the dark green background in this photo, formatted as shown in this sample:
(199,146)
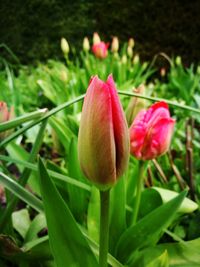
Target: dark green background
(32,29)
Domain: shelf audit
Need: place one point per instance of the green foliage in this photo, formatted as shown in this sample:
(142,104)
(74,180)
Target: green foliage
(51,216)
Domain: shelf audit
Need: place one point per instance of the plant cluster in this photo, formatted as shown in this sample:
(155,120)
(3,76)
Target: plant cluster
(69,131)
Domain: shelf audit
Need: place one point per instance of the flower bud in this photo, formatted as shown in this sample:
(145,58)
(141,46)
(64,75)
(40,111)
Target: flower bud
(124,59)
(162,72)
(135,105)
(100,50)
(178,61)
(151,132)
(103,140)
(136,59)
(115,45)
(96,38)
(130,51)
(5,115)
(86,44)
(131,42)
(64,46)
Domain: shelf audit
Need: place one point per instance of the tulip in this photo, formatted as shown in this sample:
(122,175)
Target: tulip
(86,44)
(151,132)
(115,45)
(124,59)
(131,42)
(136,59)
(100,50)
(130,51)
(103,140)
(96,38)
(5,115)
(64,46)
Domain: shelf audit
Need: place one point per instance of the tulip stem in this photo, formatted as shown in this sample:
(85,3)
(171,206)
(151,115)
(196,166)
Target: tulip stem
(104,228)
(136,205)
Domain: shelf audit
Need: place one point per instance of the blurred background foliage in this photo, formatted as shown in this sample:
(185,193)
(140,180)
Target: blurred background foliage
(32,28)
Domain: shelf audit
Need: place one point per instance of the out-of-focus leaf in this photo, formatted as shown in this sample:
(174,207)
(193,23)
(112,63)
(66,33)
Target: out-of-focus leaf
(38,223)
(21,221)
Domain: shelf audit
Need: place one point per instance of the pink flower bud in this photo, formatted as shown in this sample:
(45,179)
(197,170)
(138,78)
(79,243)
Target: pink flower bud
(103,141)
(100,50)
(151,132)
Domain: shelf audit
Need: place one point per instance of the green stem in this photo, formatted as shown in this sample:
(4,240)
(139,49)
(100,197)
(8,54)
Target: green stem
(136,205)
(104,228)
(196,110)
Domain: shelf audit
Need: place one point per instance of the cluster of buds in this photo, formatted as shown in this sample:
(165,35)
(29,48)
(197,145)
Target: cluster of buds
(5,115)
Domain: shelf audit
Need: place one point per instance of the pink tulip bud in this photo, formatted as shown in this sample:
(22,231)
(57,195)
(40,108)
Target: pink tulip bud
(151,132)
(100,50)
(103,141)
(5,115)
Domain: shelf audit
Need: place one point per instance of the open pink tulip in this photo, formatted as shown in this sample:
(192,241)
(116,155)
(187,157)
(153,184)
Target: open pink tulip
(100,50)
(103,141)
(151,132)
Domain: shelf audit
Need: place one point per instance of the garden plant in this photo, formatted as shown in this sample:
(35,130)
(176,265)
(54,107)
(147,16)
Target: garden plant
(99,162)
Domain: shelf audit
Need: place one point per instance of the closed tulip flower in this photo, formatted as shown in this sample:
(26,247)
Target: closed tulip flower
(103,141)
(151,132)
(100,50)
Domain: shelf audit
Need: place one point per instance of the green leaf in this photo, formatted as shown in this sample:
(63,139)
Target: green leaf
(184,254)
(161,261)
(38,223)
(20,192)
(147,231)
(68,244)
(187,205)
(18,152)
(21,221)
(78,208)
(19,120)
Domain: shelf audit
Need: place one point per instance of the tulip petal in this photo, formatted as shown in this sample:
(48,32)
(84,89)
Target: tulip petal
(121,134)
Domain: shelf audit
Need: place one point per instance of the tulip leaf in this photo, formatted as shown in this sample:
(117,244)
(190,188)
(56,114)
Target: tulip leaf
(69,246)
(78,208)
(148,230)
(184,254)
(187,205)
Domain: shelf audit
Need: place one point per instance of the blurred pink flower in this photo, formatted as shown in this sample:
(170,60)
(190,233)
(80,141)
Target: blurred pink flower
(100,50)
(151,132)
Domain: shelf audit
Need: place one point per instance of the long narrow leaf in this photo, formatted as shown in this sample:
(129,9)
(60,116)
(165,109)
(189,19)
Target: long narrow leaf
(68,244)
